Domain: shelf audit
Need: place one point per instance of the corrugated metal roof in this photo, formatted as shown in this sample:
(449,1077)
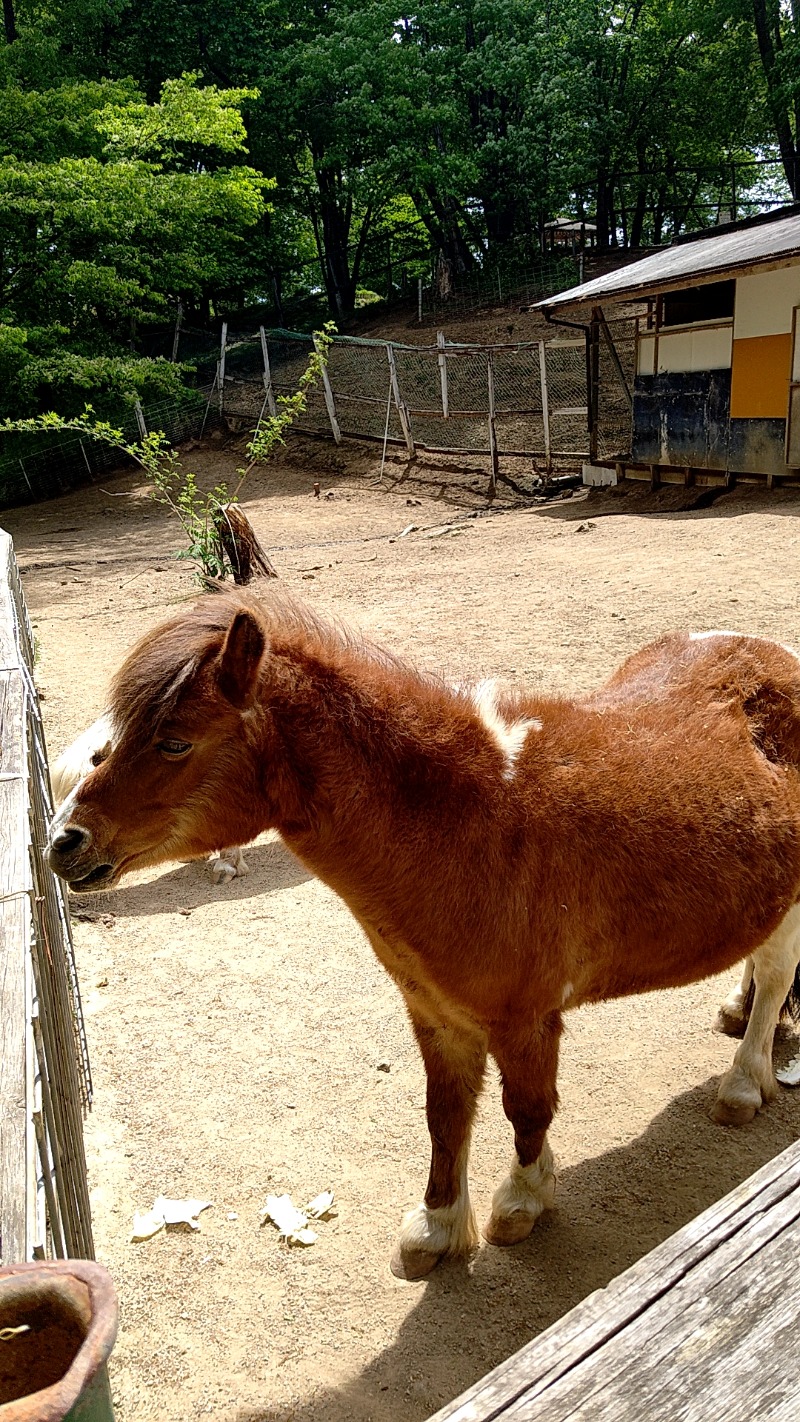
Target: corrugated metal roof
(722,254)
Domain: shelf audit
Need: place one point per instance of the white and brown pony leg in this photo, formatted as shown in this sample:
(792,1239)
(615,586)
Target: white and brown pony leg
(528,1065)
(228,864)
(444,1224)
(750,1083)
(735,1010)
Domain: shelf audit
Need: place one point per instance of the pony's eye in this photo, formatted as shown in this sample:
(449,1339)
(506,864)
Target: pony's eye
(173,749)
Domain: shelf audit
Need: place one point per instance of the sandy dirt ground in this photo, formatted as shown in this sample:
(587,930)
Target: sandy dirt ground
(240,1034)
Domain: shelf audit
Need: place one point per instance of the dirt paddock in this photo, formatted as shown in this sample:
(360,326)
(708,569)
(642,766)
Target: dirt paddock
(240,1035)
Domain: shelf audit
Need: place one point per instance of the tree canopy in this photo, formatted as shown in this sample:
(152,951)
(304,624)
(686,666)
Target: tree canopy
(158,152)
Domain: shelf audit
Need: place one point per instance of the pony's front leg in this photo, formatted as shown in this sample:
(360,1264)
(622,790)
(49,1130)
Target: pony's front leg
(528,1062)
(444,1224)
(751,1080)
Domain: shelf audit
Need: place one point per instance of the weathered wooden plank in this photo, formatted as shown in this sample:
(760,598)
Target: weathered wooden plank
(635,1361)
(14,930)
(603,1314)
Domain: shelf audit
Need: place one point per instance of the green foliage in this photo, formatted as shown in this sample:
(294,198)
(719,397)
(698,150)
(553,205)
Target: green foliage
(111,211)
(172,485)
(161,150)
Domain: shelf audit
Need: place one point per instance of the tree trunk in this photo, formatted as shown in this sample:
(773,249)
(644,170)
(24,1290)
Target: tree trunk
(768,34)
(9,21)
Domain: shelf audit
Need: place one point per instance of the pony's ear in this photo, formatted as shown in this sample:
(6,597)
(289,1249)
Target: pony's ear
(240,660)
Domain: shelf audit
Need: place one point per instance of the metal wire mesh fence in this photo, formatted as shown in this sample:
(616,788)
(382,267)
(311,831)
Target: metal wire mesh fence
(526,398)
(42,466)
(45,1082)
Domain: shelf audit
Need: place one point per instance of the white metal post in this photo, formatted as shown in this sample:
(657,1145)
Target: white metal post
(270,394)
(404,417)
(328,393)
(223,345)
(442,359)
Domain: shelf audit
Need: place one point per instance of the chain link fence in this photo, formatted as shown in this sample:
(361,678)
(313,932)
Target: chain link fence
(523,399)
(43,465)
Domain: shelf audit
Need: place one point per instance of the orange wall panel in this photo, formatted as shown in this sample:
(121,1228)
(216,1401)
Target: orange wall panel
(760,377)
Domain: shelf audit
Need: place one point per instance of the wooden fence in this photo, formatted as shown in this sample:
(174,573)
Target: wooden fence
(45,1082)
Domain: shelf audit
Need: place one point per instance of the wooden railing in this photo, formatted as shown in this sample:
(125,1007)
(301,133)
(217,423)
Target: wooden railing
(45,1082)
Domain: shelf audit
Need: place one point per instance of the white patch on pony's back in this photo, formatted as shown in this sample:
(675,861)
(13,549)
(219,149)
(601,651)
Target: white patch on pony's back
(753,637)
(509,739)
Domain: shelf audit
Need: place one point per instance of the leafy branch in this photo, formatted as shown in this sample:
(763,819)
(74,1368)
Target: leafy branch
(198,513)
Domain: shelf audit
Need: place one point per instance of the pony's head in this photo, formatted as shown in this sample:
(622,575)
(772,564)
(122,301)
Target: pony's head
(175,782)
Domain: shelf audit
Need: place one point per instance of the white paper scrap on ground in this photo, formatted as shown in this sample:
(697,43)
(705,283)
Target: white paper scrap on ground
(790,1076)
(145,1226)
(318,1208)
(167,1212)
(291,1223)
(177,1212)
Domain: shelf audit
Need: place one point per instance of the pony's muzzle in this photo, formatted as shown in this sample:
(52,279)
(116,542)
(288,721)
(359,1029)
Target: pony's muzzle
(72,856)
(69,840)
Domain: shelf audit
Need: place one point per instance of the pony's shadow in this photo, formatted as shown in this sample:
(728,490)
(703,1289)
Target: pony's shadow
(470,1318)
(272,868)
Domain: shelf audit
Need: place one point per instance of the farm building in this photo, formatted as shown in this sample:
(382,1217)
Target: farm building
(698,344)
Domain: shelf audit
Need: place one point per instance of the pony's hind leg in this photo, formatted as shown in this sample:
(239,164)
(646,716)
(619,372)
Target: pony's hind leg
(528,1064)
(751,1080)
(735,1010)
(444,1224)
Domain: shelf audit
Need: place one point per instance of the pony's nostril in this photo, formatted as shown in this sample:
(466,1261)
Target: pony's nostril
(68,840)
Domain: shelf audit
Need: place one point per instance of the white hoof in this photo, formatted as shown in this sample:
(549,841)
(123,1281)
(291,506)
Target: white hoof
(229,864)
(426,1236)
(524,1195)
(743,1091)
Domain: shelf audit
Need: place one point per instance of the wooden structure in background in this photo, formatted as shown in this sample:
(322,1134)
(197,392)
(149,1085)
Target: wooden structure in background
(714,389)
(702,1329)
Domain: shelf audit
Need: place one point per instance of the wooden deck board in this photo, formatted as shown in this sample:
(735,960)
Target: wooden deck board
(700,1328)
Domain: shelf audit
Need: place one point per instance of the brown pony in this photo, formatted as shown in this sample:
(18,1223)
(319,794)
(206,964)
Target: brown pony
(508,856)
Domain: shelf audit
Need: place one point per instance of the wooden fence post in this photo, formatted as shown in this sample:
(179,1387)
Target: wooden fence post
(270,394)
(545,403)
(442,359)
(405,419)
(223,345)
(328,393)
(492,431)
(419,300)
(593,383)
(140,420)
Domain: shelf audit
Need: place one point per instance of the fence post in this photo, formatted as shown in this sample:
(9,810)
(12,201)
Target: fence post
(442,359)
(177,336)
(405,421)
(25,475)
(545,403)
(492,430)
(140,420)
(593,382)
(222,348)
(328,393)
(419,300)
(273,409)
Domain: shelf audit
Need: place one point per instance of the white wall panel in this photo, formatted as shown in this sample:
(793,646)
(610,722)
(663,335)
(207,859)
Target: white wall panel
(708,349)
(764,302)
(647,352)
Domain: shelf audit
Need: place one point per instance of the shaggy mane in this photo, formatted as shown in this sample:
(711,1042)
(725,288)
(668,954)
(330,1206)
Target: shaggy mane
(148,688)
